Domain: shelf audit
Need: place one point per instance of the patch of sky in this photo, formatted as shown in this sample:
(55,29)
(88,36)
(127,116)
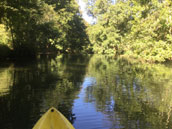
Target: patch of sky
(85,16)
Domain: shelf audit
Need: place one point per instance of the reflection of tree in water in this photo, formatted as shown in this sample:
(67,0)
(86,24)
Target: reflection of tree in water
(38,85)
(133,95)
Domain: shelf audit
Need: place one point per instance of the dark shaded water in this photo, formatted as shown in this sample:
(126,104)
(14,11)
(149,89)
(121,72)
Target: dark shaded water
(93,92)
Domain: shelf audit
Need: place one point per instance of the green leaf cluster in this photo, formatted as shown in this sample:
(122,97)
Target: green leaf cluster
(43,26)
(4,35)
(5,47)
(137,29)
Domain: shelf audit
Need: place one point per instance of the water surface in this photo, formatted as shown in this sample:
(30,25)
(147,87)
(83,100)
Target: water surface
(93,92)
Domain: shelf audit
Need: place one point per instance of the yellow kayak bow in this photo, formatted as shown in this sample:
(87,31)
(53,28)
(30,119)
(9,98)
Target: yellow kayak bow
(53,119)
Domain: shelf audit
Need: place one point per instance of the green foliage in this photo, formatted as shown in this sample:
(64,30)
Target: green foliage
(4,42)
(44,26)
(138,29)
(4,35)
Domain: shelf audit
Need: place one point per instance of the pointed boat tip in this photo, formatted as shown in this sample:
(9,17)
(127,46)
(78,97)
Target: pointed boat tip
(53,119)
(52,109)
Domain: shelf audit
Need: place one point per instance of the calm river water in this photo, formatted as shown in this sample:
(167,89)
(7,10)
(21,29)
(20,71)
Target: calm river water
(92,91)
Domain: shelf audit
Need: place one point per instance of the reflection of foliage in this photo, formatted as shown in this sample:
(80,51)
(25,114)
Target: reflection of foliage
(141,92)
(38,85)
(5,79)
(64,86)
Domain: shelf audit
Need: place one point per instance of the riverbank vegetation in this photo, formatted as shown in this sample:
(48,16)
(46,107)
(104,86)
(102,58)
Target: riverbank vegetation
(41,26)
(139,29)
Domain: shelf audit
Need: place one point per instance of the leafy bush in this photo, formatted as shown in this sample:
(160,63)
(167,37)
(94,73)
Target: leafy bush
(133,28)
(4,42)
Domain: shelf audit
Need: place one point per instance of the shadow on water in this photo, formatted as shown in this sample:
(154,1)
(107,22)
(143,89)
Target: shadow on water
(99,91)
(29,88)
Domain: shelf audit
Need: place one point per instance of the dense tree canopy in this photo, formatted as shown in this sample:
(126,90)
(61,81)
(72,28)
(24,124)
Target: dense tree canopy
(131,28)
(139,29)
(43,26)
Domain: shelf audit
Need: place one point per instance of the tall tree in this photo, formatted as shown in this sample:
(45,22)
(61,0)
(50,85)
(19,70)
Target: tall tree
(42,26)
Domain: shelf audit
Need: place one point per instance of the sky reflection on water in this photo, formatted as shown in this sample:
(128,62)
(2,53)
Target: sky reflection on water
(93,92)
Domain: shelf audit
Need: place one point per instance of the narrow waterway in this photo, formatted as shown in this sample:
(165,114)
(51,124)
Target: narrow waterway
(92,91)
(86,112)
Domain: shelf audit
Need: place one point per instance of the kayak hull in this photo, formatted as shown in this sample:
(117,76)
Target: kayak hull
(53,119)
